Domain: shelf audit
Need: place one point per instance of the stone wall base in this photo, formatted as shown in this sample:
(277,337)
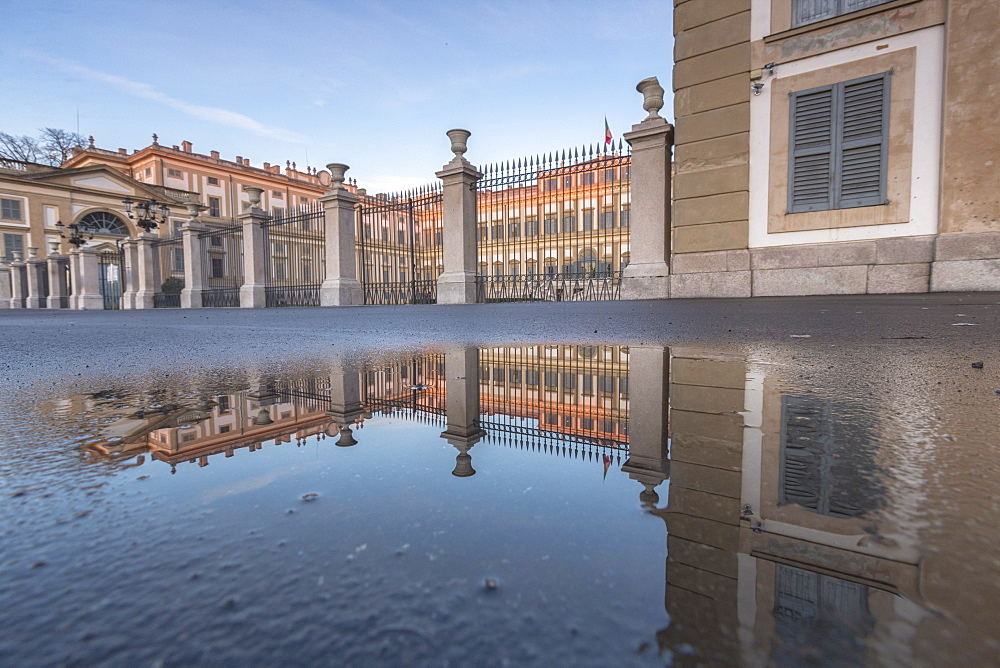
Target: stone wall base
(939,263)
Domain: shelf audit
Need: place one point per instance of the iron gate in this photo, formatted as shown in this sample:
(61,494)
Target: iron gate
(168,256)
(400,246)
(222,266)
(555,227)
(111,275)
(295,258)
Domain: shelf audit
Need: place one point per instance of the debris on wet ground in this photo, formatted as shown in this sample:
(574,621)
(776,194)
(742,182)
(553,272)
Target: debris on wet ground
(977,365)
(490,584)
(311,496)
(963,324)
(800,336)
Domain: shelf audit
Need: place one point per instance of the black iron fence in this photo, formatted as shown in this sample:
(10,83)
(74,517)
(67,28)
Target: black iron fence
(555,227)
(400,246)
(295,258)
(111,276)
(168,269)
(415,387)
(222,264)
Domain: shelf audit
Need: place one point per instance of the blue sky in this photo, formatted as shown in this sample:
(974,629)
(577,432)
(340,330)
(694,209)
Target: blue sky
(371,84)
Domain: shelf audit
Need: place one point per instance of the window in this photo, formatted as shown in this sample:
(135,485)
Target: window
(149,171)
(307,251)
(811,11)
(531,227)
(498,231)
(216,241)
(223,404)
(837,151)
(483,233)
(279,271)
(609,174)
(552,184)
(214,206)
(532,377)
(569,381)
(101,222)
(177,228)
(218,270)
(513,229)
(277,212)
(569,223)
(588,387)
(213,181)
(567,181)
(12,243)
(551,380)
(174,173)
(276,194)
(515,376)
(224,429)
(10,209)
(401,237)
(178,259)
(588,178)
(306,273)
(588,220)
(625,217)
(279,248)
(607,219)
(551,225)
(606,383)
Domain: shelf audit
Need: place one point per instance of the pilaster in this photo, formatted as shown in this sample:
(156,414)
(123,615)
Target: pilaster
(457,284)
(35,269)
(647,275)
(253,290)
(341,286)
(194,251)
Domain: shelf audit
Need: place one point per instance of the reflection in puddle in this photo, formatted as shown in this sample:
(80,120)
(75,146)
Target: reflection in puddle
(791,513)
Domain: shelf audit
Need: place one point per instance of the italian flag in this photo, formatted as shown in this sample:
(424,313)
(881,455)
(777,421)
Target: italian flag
(607,131)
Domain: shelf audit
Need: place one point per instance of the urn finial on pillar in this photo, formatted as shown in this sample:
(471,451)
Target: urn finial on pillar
(459,142)
(652,93)
(254,194)
(337,171)
(193,209)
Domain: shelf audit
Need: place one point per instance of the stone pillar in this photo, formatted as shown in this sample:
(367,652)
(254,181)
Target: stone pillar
(87,283)
(144,274)
(194,251)
(461,369)
(647,275)
(341,286)
(345,403)
(648,378)
(18,281)
(5,291)
(129,282)
(36,280)
(58,289)
(457,285)
(252,292)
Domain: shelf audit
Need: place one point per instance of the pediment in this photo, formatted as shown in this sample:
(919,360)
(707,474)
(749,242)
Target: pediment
(100,182)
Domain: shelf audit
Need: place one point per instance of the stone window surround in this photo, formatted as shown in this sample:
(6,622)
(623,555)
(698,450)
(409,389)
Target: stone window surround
(925,101)
(781,18)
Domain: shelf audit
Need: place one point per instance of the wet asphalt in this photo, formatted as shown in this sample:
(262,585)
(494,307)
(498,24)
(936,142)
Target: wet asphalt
(43,344)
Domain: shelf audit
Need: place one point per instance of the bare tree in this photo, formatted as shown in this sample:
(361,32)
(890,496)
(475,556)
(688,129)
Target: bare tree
(56,145)
(23,148)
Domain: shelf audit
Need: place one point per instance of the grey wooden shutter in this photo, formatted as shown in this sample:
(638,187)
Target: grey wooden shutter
(810,186)
(864,119)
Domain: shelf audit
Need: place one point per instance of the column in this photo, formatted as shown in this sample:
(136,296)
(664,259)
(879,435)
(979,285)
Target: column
(345,402)
(457,285)
(18,281)
(58,289)
(647,463)
(461,367)
(129,282)
(35,269)
(252,292)
(194,252)
(341,286)
(5,291)
(648,274)
(87,284)
(144,276)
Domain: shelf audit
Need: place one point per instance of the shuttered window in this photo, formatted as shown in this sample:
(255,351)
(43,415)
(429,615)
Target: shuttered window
(811,11)
(839,136)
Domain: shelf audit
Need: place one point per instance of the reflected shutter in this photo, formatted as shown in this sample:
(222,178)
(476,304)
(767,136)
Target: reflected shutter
(810,184)
(865,119)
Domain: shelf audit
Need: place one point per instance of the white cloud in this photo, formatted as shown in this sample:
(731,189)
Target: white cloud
(147,92)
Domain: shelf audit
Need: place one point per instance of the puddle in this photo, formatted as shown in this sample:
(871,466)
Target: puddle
(540,503)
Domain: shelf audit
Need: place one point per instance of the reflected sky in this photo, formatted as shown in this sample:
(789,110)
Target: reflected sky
(530,503)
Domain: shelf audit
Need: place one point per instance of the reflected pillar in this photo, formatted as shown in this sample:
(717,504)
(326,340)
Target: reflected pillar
(461,367)
(647,461)
(345,402)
